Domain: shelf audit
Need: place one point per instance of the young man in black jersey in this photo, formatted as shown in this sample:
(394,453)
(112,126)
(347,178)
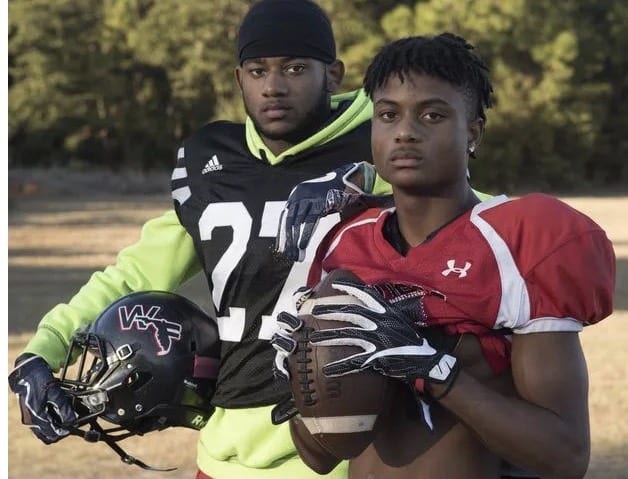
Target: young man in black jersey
(230,186)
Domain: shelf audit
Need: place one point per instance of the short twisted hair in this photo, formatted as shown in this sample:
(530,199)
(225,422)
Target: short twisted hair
(445,56)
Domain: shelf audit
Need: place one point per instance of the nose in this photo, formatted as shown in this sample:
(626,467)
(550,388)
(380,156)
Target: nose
(275,85)
(407,131)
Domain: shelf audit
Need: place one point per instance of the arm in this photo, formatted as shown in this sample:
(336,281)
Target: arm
(162,259)
(546,430)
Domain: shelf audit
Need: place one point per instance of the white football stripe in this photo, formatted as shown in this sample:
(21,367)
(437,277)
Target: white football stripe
(339,424)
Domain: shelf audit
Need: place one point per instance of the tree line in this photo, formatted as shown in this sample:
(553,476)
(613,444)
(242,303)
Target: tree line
(117,84)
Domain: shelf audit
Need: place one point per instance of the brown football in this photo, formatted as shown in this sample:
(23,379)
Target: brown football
(341,412)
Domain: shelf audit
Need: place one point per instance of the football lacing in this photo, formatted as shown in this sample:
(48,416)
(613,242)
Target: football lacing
(304,370)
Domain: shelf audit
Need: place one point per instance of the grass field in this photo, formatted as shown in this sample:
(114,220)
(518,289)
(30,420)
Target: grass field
(55,244)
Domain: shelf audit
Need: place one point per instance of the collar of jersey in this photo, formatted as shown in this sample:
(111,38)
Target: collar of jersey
(360,110)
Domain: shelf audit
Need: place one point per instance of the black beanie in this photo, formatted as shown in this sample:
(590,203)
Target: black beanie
(286,28)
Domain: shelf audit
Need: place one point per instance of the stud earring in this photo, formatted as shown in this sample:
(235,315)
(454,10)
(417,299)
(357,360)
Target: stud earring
(471,148)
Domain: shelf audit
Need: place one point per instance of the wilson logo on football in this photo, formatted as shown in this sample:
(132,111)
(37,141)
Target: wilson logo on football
(143,319)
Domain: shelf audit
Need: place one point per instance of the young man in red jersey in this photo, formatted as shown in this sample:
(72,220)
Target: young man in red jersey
(515,280)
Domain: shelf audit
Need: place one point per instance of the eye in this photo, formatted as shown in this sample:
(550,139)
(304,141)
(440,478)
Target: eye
(432,116)
(256,72)
(387,116)
(295,68)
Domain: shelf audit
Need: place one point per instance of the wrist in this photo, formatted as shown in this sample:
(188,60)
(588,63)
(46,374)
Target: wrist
(22,358)
(438,390)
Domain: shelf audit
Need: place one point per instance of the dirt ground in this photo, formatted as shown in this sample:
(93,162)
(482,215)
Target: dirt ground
(57,241)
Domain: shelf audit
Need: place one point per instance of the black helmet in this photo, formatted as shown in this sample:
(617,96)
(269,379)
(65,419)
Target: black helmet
(153,365)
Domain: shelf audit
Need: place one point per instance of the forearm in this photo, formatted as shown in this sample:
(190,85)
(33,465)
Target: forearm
(525,434)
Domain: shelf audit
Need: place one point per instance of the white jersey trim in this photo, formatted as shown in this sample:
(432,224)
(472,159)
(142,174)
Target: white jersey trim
(366,221)
(178,173)
(514,308)
(549,325)
(181,194)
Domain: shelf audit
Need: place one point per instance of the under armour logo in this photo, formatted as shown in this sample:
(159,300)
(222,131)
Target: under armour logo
(141,318)
(452,268)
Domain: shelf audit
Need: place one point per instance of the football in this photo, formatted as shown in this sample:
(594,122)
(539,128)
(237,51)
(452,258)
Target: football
(340,413)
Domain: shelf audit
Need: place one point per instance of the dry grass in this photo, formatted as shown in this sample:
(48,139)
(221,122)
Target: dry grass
(54,244)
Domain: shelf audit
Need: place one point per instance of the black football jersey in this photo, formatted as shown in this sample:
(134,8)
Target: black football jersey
(230,202)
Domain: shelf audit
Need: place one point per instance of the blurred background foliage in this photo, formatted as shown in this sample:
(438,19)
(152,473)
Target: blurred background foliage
(117,84)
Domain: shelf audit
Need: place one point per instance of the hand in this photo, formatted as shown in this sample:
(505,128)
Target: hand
(313,199)
(389,329)
(44,406)
(283,340)
(284,344)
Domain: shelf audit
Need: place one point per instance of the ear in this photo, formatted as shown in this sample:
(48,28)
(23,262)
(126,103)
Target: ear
(335,74)
(475,132)
(238,75)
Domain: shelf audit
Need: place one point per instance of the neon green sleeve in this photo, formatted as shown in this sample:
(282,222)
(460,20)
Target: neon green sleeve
(162,259)
(482,196)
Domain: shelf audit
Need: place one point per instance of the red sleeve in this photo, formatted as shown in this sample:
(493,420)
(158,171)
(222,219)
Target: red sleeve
(574,283)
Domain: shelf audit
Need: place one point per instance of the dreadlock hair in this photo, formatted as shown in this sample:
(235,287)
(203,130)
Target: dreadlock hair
(445,56)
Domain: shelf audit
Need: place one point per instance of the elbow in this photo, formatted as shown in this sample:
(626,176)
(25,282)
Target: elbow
(573,464)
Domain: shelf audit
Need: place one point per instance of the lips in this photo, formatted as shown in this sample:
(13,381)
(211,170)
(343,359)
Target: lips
(275,111)
(406,154)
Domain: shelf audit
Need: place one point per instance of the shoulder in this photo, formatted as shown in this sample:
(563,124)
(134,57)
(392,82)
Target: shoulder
(217,130)
(564,260)
(222,138)
(352,233)
(537,218)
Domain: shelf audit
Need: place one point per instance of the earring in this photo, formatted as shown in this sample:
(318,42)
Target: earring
(471,148)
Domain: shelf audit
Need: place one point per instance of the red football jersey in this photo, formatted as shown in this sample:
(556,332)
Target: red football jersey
(527,265)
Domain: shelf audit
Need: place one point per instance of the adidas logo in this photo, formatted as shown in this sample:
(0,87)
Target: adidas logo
(212,165)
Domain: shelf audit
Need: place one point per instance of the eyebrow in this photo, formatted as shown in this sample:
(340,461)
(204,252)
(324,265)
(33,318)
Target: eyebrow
(426,102)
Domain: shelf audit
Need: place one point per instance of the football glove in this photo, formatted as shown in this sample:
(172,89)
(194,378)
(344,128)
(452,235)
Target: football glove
(389,328)
(284,344)
(44,406)
(311,200)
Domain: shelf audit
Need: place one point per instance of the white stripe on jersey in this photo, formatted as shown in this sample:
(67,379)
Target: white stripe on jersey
(181,194)
(179,173)
(334,243)
(180,153)
(514,308)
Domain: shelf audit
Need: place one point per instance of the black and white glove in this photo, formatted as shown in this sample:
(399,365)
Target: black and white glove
(284,344)
(44,406)
(311,200)
(389,328)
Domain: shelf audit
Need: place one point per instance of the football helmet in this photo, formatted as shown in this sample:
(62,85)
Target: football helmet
(148,362)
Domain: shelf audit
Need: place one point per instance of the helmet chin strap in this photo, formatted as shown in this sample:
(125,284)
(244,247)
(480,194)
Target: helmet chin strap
(96,433)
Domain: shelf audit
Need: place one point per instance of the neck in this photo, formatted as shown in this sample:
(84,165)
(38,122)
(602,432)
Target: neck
(419,216)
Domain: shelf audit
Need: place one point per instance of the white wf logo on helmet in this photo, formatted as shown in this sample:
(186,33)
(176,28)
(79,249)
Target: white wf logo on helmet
(142,319)
(452,268)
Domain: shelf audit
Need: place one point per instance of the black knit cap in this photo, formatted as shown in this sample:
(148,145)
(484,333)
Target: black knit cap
(286,28)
